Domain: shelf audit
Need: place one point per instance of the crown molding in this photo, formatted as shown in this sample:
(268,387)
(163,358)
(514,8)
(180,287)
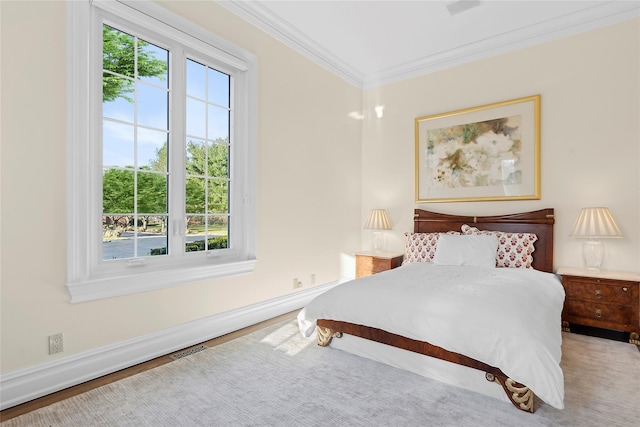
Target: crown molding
(262,18)
(553,29)
(597,16)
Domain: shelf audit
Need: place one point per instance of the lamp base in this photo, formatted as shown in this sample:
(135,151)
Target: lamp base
(377,241)
(592,254)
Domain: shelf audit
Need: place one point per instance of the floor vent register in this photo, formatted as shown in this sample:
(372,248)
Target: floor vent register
(188,352)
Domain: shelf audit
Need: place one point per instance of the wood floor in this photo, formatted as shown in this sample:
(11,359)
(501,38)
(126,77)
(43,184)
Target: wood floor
(124,373)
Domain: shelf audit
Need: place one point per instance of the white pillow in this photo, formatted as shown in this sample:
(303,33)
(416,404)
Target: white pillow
(515,250)
(476,250)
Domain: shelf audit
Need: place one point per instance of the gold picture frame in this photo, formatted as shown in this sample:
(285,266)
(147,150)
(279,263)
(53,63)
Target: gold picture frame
(490,152)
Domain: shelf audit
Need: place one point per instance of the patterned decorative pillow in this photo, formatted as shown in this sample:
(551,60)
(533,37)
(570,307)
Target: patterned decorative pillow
(421,247)
(515,250)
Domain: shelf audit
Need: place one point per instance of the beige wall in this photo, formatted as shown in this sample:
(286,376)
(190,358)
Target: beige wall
(308,203)
(319,171)
(590,135)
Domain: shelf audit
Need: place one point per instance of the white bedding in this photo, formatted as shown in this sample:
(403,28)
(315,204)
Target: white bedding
(506,317)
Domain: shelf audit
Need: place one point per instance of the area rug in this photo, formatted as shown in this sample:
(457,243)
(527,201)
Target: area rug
(276,377)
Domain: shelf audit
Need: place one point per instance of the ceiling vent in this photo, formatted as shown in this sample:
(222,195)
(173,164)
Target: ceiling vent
(461,5)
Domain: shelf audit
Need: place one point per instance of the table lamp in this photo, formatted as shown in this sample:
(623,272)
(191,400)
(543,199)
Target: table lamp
(592,224)
(377,221)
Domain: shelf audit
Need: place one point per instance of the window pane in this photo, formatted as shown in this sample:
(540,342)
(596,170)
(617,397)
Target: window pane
(153,64)
(116,243)
(218,226)
(218,123)
(117,53)
(195,157)
(218,87)
(152,193)
(218,161)
(196,79)
(217,232)
(152,149)
(153,236)
(120,108)
(195,226)
(116,87)
(117,191)
(214,231)
(196,118)
(153,107)
(195,195)
(195,233)
(218,200)
(117,144)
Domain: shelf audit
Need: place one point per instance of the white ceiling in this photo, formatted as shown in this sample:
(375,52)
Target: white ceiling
(369,43)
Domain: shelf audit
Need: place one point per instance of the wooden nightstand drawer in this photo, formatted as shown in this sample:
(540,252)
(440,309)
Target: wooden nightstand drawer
(368,264)
(598,290)
(380,264)
(598,314)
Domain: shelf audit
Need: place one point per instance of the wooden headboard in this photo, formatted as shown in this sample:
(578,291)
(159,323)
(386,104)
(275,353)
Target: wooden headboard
(538,222)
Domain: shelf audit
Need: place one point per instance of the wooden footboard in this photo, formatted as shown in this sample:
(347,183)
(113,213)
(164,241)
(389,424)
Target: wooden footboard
(520,395)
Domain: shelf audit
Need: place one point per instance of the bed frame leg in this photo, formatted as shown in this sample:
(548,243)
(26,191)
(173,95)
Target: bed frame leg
(634,339)
(325,335)
(520,395)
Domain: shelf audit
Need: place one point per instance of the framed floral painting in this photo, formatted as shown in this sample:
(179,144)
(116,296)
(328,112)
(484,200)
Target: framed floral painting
(490,152)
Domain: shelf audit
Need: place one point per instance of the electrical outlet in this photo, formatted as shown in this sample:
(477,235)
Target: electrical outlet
(296,283)
(55,344)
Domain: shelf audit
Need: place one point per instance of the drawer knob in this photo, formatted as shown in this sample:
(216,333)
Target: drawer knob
(625,289)
(598,293)
(598,313)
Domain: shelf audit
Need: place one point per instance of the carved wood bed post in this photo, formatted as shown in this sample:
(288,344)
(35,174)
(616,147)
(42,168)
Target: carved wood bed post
(520,395)
(325,335)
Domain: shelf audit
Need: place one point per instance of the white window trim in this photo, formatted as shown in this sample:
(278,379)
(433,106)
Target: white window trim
(84,281)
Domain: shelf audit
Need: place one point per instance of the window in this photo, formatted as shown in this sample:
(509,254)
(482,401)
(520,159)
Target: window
(161,151)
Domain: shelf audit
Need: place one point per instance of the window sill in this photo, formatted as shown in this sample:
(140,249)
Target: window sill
(93,289)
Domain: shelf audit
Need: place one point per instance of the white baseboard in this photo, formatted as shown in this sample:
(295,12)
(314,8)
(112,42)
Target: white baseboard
(36,381)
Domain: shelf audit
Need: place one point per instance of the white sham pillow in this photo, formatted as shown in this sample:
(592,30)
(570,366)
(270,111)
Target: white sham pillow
(478,250)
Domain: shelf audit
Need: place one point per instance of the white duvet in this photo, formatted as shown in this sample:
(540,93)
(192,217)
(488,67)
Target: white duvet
(506,317)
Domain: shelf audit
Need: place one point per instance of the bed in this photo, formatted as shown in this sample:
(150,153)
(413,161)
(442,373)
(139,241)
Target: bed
(474,326)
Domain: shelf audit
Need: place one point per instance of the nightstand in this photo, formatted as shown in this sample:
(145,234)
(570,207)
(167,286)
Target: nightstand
(368,263)
(605,299)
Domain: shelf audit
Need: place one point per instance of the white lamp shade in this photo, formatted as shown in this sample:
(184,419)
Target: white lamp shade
(595,223)
(378,220)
